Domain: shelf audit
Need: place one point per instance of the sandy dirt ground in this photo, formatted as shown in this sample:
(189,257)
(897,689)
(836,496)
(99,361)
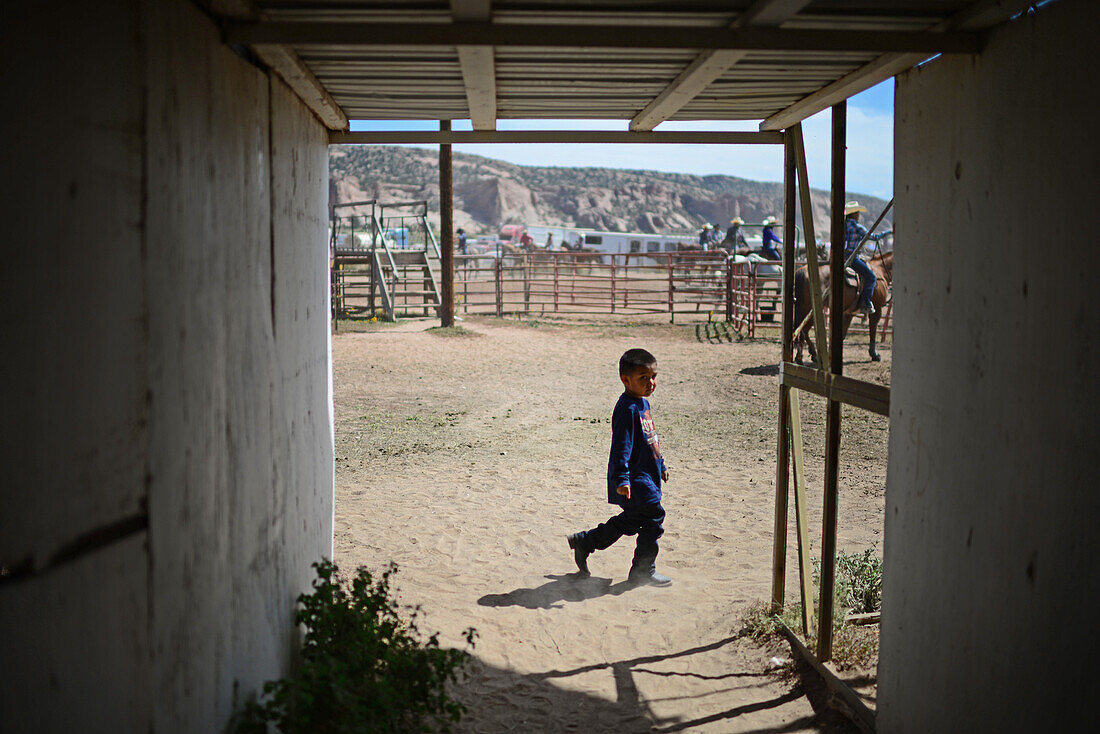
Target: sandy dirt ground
(467,459)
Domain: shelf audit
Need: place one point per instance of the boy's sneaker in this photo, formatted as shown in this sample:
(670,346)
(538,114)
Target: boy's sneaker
(580,555)
(651,578)
(867,310)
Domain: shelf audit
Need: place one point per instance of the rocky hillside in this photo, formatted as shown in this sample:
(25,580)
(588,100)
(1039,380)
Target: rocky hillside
(489,193)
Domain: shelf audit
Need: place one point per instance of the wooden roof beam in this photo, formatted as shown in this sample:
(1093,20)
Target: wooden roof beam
(459,137)
(411,35)
(981,15)
(710,65)
(286,64)
(478,67)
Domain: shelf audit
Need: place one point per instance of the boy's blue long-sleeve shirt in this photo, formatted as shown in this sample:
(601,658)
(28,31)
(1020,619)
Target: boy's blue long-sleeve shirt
(635,454)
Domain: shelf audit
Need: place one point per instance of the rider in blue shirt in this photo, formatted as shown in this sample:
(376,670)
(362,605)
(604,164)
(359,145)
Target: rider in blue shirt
(854,232)
(768,249)
(704,236)
(735,238)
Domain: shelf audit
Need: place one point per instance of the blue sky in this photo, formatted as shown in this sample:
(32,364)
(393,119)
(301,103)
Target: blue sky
(870,146)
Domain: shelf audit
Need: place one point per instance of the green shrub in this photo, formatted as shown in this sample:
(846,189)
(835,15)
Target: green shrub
(859,578)
(858,590)
(858,586)
(855,646)
(759,621)
(363,667)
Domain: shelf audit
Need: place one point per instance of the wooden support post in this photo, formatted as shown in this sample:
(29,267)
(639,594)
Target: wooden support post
(805,564)
(811,245)
(789,174)
(782,472)
(782,475)
(446,234)
(832,414)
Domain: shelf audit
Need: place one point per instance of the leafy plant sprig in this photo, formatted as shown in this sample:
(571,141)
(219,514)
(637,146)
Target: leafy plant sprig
(363,667)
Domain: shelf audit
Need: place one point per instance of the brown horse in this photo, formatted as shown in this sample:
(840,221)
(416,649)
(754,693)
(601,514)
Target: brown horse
(691,255)
(883,267)
(582,255)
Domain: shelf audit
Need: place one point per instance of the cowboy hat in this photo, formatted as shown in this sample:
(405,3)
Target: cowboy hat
(770,221)
(707,226)
(737,220)
(853,206)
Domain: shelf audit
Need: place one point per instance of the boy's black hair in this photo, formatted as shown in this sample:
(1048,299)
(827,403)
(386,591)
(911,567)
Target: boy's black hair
(633,359)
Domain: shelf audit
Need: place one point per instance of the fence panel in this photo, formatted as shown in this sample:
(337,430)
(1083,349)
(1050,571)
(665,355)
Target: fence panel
(712,283)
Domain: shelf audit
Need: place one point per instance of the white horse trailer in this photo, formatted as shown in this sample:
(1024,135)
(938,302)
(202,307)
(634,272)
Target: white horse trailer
(609,242)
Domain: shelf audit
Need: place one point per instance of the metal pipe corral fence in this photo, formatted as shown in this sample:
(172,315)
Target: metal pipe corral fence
(706,284)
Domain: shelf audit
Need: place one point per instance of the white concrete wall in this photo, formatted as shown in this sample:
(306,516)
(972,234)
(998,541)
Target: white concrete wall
(166,423)
(992,555)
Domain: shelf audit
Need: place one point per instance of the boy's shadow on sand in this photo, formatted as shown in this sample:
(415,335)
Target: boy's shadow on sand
(560,588)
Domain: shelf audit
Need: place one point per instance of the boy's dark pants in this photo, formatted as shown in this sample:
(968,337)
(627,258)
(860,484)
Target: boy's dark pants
(641,520)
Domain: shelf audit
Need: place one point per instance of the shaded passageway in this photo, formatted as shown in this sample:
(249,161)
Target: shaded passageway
(467,459)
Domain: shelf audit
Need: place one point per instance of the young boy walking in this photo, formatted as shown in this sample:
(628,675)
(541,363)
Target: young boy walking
(635,471)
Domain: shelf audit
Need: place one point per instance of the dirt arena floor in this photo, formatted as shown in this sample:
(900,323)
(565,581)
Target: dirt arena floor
(467,459)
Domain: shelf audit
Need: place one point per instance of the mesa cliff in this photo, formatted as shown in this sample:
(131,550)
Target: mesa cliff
(489,193)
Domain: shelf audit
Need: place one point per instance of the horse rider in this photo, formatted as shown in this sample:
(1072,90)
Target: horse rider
(735,238)
(705,235)
(462,241)
(854,232)
(767,249)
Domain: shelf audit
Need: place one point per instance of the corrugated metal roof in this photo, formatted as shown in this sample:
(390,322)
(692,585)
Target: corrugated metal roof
(410,77)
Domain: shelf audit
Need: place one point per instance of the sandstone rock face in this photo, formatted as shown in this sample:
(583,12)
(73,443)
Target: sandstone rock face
(490,193)
(492,200)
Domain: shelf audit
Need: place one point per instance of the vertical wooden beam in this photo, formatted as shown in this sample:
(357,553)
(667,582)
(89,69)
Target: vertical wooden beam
(789,223)
(805,564)
(446,234)
(832,414)
(836,252)
(782,492)
(811,246)
(782,474)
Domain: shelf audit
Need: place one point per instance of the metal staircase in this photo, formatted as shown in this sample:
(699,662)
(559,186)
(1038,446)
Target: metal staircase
(383,265)
(407,281)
